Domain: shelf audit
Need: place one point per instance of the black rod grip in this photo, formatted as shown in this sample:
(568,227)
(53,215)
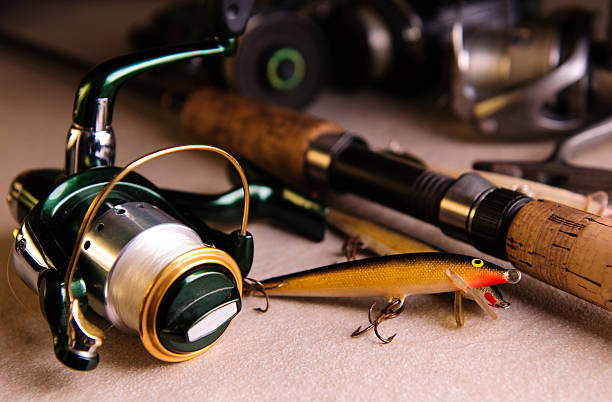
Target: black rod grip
(389,181)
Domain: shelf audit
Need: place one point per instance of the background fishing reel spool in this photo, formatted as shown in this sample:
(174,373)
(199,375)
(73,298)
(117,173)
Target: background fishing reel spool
(376,42)
(282,57)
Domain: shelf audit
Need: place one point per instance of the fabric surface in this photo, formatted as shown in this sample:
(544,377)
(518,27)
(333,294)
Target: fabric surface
(548,346)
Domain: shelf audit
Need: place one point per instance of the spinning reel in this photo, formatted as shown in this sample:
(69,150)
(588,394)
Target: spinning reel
(94,236)
(531,79)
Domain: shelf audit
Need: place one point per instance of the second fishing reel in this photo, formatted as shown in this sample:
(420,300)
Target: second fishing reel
(97,237)
(532,79)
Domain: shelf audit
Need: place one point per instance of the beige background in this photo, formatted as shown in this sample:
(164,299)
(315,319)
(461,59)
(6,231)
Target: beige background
(548,346)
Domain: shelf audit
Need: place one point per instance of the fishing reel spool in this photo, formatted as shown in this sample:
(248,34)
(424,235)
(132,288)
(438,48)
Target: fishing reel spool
(531,79)
(97,237)
(282,59)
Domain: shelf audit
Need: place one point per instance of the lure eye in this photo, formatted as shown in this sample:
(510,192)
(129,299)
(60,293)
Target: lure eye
(477,263)
(512,276)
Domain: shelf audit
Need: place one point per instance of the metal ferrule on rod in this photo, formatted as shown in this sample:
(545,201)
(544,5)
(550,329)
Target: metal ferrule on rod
(459,204)
(322,152)
(473,210)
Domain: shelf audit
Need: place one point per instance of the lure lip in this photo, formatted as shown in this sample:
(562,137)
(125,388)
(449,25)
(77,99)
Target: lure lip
(512,275)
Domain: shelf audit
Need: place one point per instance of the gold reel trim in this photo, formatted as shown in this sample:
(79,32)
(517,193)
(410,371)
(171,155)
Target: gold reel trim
(163,281)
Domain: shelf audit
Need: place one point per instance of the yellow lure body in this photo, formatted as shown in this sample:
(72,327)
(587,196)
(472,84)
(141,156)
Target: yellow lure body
(391,276)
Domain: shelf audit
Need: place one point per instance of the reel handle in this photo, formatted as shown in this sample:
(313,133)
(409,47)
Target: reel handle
(91,140)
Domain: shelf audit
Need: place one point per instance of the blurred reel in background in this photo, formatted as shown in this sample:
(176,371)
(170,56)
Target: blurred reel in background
(281,57)
(509,70)
(525,80)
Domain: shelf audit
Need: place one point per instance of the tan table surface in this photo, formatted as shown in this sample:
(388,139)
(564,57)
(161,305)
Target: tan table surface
(548,346)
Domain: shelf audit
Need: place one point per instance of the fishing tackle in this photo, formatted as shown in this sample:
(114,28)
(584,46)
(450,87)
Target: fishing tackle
(395,277)
(394,308)
(351,247)
(143,262)
(97,237)
(302,150)
(494,297)
(384,241)
(250,286)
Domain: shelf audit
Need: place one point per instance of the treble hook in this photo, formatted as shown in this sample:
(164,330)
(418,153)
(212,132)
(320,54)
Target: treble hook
(391,310)
(351,246)
(253,285)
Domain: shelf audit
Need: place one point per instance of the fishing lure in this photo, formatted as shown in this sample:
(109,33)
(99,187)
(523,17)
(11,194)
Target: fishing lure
(395,277)
(381,240)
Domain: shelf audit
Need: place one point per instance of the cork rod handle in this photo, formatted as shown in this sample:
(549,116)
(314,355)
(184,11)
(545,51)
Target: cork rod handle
(564,247)
(272,137)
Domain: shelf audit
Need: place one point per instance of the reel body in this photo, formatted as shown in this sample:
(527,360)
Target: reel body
(143,267)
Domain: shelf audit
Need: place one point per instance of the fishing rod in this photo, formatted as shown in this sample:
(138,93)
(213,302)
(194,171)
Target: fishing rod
(559,245)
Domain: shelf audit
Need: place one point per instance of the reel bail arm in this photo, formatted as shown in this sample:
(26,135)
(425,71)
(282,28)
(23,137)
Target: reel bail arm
(91,140)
